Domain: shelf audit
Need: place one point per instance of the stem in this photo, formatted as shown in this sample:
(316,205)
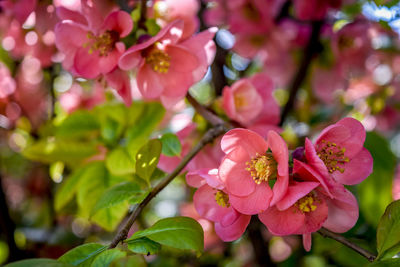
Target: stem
(313,47)
(260,246)
(365,253)
(208,137)
(208,115)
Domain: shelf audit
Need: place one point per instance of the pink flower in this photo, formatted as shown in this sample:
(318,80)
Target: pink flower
(249,166)
(326,83)
(7,83)
(212,202)
(76,97)
(90,43)
(166,65)
(20,9)
(166,11)
(250,100)
(339,151)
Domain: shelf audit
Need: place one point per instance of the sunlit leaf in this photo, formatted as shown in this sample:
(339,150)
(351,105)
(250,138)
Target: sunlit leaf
(388,232)
(147,158)
(119,162)
(144,245)
(79,123)
(171,146)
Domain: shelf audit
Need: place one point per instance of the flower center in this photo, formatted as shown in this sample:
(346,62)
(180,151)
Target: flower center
(333,156)
(222,199)
(250,12)
(306,203)
(262,167)
(104,43)
(240,101)
(158,60)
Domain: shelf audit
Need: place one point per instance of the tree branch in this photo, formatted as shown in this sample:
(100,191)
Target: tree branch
(143,14)
(206,114)
(208,137)
(313,47)
(365,253)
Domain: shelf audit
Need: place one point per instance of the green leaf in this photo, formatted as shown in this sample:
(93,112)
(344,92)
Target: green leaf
(130,261)
(386,263)
(110,218)
(119,162)
(116,195)
(144,245)
(152,26)
(82,255)
(147,159)
(375,192)
(52,150)
(388,232)
(105,258)
(171,146)
(67,190)
(79,123)
(38,263)
(177,232)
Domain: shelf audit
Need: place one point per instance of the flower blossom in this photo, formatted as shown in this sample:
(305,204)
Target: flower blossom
(212,202)
(167,66)
(250,165)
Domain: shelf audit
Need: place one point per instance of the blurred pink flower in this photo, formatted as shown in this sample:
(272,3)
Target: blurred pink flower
(250,163)
(19,9)
(76,97)
(168,66)
(250,100)
(7,83)
(166,11)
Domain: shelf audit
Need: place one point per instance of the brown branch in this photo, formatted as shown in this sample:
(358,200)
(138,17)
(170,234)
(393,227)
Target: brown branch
(208,137)
(205,113)
(365,253)
(143,14)
(313,47)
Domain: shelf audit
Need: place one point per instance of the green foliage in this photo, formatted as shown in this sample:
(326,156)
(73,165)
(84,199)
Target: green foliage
(81,123)
(105,258)
(118,194)
(144,245)
(171,146)
(119,162)
(51,150)
(152,27)
(82,255)
(38,263)
(386,263)
(134,260)
(177,232)
(375,193)
(388,233)
(147,159)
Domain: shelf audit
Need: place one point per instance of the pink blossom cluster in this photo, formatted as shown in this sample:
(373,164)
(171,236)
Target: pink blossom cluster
(165,65)
(294,192)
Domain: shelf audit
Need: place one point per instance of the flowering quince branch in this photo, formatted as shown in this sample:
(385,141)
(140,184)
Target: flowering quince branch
(365,253)
(209,116)
(312,48)
(208,137)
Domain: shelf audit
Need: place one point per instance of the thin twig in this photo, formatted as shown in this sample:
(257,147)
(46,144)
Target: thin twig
(313,47)
(143,14)
(365,253)
(206,114)
(208,137)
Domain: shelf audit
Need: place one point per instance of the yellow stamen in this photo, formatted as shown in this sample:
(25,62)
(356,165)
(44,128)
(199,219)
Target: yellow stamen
(306,204)
(222,199)
(158,60)
(333,156)
(104,43)
(262,167)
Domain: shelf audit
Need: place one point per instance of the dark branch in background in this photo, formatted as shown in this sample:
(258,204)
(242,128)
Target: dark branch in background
(217,69)
(143,14)
(123,4)
(207,138)
(313,48)
(260,246)
(7,227)
(365,253)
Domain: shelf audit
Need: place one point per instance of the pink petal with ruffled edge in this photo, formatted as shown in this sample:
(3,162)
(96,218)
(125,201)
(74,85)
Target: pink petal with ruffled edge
(206,205)
(233,173)
(281,155)
(284,222)
(355,143)
(248,140)
(294,192)
(356,170)
(182,60)
(119,80)
(233,231)
(87,64)
(148,82)
(119,21)
(342,211)
(200,177)
(67,14)
(255,203)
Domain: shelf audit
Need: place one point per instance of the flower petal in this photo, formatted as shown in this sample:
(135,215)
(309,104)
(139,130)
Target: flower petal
(255,203)
(247,140)
(148,82)
(207,206)
(119,21)
(284,222)
(233,231)
(295,191)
